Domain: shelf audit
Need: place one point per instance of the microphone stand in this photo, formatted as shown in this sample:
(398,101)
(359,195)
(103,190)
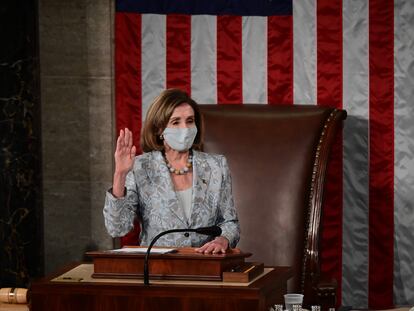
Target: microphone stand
(213,231)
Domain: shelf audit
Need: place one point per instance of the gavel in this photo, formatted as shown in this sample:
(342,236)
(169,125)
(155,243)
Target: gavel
(13,295)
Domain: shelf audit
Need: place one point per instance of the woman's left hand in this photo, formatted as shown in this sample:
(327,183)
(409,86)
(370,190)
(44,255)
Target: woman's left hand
(217,246)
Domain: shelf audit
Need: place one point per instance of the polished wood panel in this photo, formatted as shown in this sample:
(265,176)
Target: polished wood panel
(184,264)
(244,273)
(104,296)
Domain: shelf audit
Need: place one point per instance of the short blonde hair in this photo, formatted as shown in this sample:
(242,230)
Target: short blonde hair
(158,115)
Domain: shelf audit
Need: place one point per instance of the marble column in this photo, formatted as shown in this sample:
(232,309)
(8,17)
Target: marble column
(21,252)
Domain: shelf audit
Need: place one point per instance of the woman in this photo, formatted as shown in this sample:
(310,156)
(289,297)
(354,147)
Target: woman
(172,185)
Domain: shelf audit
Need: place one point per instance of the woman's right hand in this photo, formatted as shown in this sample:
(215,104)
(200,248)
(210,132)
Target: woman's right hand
(124,153)
(124,161)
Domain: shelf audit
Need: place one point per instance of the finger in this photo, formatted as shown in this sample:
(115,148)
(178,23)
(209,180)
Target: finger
(220,246)
(223,242)
(203,248)
(126,138)
(217,248)
(220,250)
(133,151)
(130,139)
(209,249)
(120,140)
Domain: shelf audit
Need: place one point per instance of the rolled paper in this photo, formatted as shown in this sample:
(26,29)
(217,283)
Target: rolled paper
(13,295)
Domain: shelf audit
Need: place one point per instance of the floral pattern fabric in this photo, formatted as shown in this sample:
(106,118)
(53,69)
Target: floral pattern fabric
(150,195)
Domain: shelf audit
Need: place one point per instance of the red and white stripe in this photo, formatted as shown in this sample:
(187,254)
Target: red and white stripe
(356,55)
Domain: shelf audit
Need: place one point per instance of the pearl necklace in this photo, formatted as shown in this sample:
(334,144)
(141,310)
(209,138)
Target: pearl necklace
(183,170)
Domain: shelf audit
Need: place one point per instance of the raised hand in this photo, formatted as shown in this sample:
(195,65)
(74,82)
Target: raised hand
(124,161)
(125,152)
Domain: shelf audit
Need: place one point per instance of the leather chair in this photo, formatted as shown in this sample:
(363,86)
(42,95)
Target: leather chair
(278,157)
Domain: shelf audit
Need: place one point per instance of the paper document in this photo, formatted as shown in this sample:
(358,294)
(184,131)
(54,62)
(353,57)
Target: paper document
(143,250)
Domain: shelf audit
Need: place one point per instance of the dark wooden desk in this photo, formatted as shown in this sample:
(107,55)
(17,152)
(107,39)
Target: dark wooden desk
(90,294)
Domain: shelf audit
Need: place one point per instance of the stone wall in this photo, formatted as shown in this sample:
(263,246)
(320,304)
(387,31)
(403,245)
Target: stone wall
(76,52)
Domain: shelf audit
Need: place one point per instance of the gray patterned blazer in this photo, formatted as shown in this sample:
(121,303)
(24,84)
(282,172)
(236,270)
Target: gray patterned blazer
(150,195)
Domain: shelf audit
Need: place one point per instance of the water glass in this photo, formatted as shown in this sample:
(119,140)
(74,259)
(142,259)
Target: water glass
(293,300)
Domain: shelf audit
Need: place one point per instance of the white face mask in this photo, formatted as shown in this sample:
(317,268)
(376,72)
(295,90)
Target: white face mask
(180,139)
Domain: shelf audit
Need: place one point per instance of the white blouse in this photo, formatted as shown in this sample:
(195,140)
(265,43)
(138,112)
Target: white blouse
(184,199)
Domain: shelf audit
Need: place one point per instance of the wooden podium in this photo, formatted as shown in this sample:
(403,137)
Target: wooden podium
(101,286)
(182,264)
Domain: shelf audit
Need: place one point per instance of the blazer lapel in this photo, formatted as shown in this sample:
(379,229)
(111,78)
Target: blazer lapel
(201,178)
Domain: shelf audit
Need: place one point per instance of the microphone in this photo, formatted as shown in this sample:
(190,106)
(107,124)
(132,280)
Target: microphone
(212,231)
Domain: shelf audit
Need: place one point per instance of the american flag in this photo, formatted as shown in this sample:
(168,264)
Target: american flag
(351,54)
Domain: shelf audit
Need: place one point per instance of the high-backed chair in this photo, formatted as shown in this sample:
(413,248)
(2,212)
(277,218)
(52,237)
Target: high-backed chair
(278,158)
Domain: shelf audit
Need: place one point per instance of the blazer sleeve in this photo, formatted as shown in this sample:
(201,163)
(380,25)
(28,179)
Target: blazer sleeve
(119,213)
(229,222)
